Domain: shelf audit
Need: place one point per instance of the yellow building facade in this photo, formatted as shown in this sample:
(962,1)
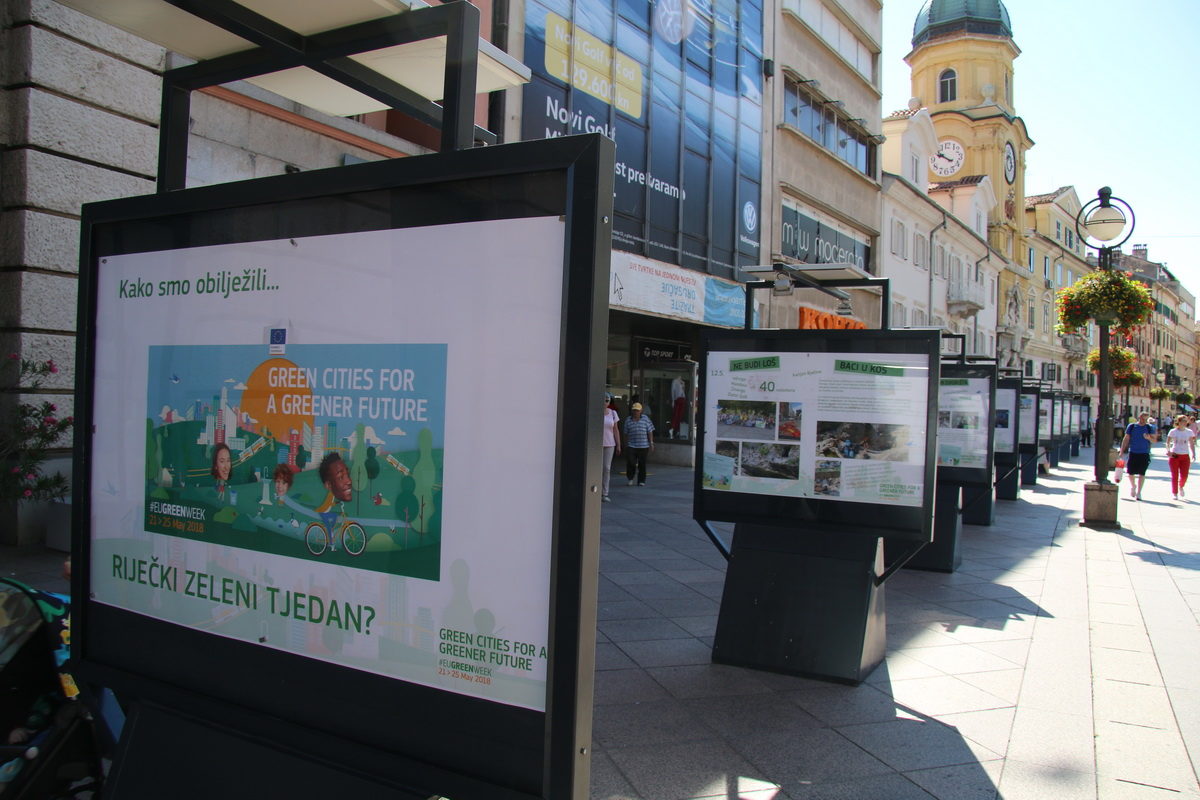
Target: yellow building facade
(962,71)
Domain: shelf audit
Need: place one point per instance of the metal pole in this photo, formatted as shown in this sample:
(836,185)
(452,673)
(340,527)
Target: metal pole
(1104,432)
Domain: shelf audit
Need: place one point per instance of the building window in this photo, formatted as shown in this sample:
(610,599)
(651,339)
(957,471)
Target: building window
(1058,274)
(915,169)
(1057,229)
(947,86)
(898,318)
(1045,316)
(1029,368)
(819,120)
(920,251)
(1031,259)
(918,318)
(1032,314)
(1046,267)
(899,239)
(939,267)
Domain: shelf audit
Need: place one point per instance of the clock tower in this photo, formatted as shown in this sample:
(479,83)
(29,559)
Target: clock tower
(962,71)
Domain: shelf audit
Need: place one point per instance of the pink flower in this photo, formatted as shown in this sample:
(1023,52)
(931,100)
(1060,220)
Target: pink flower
(31,477)
(50,421)
(53,407)
(13,356)
(16,470)
(29,492)
(50,365)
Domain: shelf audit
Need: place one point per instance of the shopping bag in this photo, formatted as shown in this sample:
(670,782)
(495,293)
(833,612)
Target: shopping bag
(1119,472)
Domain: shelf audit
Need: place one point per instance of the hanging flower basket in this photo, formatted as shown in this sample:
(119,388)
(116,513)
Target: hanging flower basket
(1120,359)
(1185,397)
(1108,297)
(1160,393)
(1123,379)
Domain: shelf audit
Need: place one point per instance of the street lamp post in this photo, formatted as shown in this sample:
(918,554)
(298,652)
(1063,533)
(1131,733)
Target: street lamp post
(1161,377)
(1109,221)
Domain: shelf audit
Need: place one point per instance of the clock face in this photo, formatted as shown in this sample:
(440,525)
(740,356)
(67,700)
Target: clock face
(948,159)
(1010,162)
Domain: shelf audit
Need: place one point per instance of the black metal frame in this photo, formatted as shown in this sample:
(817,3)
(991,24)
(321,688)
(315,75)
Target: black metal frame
(806,514)
(328,53)
(1013,385)
(411,738)
(974,476)
(805,282)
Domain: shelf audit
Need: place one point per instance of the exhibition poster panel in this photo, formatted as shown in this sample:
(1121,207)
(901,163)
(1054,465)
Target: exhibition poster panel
(1045,417)
(962,422)
(1060,418)
(844,427)
(1006,415)
(1030,421)
(341,487)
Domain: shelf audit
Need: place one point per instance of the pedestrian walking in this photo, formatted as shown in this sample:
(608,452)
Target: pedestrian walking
(1136,442)
(1181,452)
(639,441)
(612,442)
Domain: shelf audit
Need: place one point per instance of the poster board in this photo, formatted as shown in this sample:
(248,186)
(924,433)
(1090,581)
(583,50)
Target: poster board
(965,423)
(1030,414)
(350,327)
(1008,418)
(1045,418)
(819,430)
(1062,404)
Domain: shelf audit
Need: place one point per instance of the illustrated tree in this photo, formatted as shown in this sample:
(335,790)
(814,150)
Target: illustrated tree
(424,475)
(358,469)
(153,453)
(372,467)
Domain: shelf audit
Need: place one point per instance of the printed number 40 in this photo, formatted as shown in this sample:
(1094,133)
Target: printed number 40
(767,386)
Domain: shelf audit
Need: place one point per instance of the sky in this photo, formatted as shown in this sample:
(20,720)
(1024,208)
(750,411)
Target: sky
(1108,92)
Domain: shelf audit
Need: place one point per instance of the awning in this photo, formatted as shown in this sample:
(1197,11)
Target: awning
(419,66)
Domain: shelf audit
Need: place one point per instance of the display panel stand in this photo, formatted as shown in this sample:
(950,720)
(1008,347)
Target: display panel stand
(943,553)
(803,604)
(1029,456)
(979,507)
(1065,450)
(1008,485)
(1074,446)
(152,757)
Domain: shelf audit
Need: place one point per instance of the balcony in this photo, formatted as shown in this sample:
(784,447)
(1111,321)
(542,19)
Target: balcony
(964,298)
(1075,345)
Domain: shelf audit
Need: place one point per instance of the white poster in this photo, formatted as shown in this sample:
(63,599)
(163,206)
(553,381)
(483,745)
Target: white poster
(1045,418)
(962,424)
(1006,419)
(1030,419)
(836,426)
(1073,418)
(307,444)
(1060,417)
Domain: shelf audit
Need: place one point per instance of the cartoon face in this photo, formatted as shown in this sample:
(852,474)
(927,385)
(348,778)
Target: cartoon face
(339,481)
(223,465)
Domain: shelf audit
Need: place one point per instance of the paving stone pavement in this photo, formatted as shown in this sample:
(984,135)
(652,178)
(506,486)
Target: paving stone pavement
(1057,662)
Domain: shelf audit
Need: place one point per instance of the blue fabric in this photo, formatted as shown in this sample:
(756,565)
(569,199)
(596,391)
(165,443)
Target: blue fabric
(1137,442)
(637,431)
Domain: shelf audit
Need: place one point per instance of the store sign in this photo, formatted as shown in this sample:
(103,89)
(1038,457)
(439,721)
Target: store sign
(642,285)
(812,319)
(812,241)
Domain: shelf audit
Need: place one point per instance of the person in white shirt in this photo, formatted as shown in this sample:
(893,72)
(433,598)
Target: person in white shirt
(1181,451)
(612,442)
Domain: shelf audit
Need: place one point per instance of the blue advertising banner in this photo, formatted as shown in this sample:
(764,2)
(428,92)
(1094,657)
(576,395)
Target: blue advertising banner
(678,86)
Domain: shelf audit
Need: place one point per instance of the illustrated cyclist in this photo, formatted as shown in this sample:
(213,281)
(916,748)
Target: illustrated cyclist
(336,477)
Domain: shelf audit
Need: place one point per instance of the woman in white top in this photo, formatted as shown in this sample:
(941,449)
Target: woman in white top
(612,441)
(1181,450)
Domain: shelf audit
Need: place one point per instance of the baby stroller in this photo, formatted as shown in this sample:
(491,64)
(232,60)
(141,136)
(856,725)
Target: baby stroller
(48,748)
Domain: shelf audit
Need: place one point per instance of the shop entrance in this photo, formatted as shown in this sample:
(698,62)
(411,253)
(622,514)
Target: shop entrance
(667,392)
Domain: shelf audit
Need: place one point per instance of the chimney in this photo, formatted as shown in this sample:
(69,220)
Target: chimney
(1140,251)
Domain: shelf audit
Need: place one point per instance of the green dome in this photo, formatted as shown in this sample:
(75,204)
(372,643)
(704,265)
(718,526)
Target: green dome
(939,17)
